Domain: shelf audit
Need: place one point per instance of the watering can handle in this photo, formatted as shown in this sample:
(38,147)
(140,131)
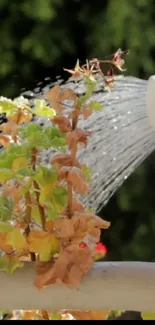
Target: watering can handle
(150,100)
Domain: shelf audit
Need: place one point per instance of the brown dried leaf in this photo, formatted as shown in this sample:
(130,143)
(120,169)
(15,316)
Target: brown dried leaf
(76,178)
(65,160)
(64,227)
(71,265)
(90,219)
(72,139)
(10,128)
(80,263)
(77,206)
(86,112)
(49,226)
(21,116)
(88,315)
(63,123)
(56,95)
(63,172)
(77,136)
(5,140)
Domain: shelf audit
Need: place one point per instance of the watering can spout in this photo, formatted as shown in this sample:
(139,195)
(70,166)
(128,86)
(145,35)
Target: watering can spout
(150,100)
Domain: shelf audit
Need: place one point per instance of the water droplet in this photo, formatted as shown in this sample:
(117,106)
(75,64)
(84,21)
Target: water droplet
(103,153)
(129,112)
(114,120)
(125,177)
(115,127)
(114,159)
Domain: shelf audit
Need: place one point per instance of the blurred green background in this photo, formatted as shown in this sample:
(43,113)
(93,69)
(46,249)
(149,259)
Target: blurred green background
(39,37)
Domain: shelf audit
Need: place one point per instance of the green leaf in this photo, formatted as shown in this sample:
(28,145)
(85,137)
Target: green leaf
(90,85)
(8,155)
(25,172)
(96,106)
(55,198)
(37,136)
(42,110)
(60,196)
(6,207)
(9,265)
(54,137)
(87,172)
(46,176)
(5,175)
(52,214)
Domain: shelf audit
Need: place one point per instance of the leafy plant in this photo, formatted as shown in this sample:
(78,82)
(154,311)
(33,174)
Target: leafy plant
(41,217)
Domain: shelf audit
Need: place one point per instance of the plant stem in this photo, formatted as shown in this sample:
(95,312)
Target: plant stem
(41,209)
(28,219)
(73,154)
(70,195)
(37,190)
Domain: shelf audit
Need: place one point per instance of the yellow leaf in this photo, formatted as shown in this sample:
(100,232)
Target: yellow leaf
(16,239)
(19,162)
(43,243)
(9,264)
(148,316)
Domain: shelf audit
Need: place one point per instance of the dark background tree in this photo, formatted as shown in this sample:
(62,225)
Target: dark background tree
(38,38)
